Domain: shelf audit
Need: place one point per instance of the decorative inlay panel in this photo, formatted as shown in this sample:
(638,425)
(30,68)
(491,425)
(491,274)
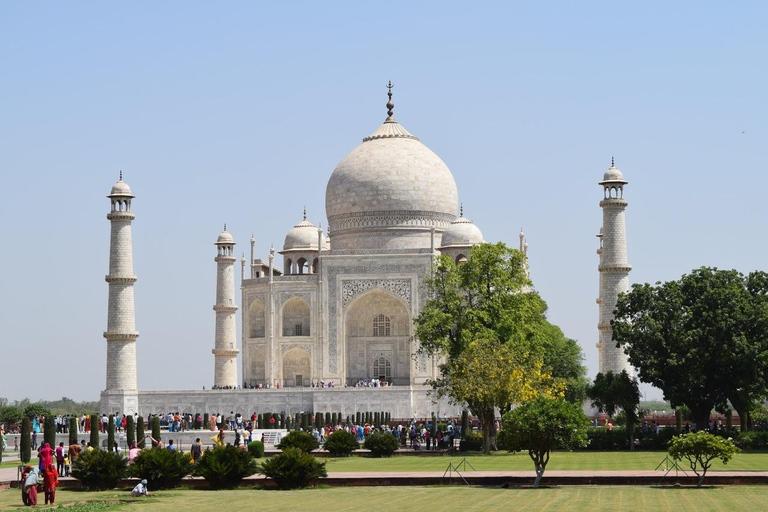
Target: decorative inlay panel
(354,287)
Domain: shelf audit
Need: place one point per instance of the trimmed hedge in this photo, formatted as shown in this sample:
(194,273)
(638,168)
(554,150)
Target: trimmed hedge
(256,449)
(381,444)
(304,441)
(472,442)
(341,444)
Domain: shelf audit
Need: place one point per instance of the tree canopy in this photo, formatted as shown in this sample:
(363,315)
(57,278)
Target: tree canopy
(490,326)
(702,340)
(542,425)
(700,449)
(611,392)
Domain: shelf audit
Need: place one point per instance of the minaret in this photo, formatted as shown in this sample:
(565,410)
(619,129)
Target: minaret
(121,393)
(225,351)
(614,269)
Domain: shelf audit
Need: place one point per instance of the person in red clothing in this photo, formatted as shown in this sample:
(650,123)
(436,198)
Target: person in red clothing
(46,456)
(22,480)
(51,481)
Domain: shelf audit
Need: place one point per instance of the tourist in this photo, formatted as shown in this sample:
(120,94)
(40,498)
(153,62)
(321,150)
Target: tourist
(133,451)
(67,465)
(60,458)
(170,445)
(45,456)
(26,470)
(140,489)
(30,486)
(51,481)
(218,439)
(196,450)
(73,452)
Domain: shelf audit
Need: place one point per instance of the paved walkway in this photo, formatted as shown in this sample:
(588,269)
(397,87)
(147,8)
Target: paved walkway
(493,478)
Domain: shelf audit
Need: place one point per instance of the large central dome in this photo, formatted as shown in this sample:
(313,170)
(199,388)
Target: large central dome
(389,192)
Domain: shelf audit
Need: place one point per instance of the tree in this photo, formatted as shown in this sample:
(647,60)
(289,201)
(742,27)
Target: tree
(612,392)
(32,410)
(26,440)
(72,431)
(95,424)
(130,430)
(155,430)
(111,432)
(702,340)
(11,414)
(140,432)
(700,449)
(488,375)
(483,317)
(49,431)
(542,425)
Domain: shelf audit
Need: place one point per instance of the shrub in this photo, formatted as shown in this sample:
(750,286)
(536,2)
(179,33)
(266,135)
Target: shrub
(155,429)
(472,442)
(752,440)
(26,440)
(256,449)
(700,449)
(95,424)
(111,432)
(99,470)
(304,441)
(293,469)
(130,430)
(36,409)
(72,430)
(11,414)
(140,432)
(381,444)
(206,421)
(341,443)
(162,468)
(224,467)
(49,431)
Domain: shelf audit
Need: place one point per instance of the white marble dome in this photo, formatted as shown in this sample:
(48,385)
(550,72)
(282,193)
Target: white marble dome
(225,238)
(121,188)
(302,236)
(461,233)
(392,185)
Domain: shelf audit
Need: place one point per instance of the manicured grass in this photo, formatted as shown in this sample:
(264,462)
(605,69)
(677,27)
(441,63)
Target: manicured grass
(355,499)
(560,461)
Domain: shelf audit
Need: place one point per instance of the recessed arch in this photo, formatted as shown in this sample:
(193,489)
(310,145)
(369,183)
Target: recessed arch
(256,319)
(296,317)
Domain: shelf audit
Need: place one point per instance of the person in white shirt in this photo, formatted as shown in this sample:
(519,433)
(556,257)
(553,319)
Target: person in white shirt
(140,489)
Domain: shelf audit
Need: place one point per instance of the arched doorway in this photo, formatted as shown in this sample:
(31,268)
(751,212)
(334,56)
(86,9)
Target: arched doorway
(297,367)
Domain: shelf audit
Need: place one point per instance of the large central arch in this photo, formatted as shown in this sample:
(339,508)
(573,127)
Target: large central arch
(377,333)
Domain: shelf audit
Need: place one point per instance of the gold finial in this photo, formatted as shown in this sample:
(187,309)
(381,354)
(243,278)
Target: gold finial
(305,213)
(612,162)
(461,209)
(121,175)
(225,226)
(390,105)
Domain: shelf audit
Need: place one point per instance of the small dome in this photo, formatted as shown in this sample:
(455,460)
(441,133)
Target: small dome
(120,189)
(225,238)
(461,233)
(613,174)
(302,236)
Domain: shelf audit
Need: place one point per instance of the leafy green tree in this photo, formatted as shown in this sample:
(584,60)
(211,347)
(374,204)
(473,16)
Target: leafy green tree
(702,340)
(11,414)
(542,425)
(36,409)
(484,318)
(611,392)
(155,430)
(700,449)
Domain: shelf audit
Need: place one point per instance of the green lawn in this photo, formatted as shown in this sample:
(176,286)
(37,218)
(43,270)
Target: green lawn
(596,461)
(355,499)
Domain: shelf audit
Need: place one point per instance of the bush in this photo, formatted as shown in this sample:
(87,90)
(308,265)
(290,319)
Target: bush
(472,442)
(49,431)
(99,470)
(381,444)
(304,441)
(26,440)
(256,449)
(162,468)
(752,440)
(155,429)
(11,414)
(95,424)
(341,443)
(140,432)
(224,467)
(111,432)
(73,430)
(130,430)
(293,469)
(700,449)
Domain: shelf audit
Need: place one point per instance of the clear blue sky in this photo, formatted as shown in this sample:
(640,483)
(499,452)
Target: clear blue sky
(238,112)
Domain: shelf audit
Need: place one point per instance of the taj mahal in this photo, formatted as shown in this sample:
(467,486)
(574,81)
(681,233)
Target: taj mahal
(336,308)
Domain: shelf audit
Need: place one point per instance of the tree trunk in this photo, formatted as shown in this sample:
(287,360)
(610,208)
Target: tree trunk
(539,474)
(489,432)
(631,430)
